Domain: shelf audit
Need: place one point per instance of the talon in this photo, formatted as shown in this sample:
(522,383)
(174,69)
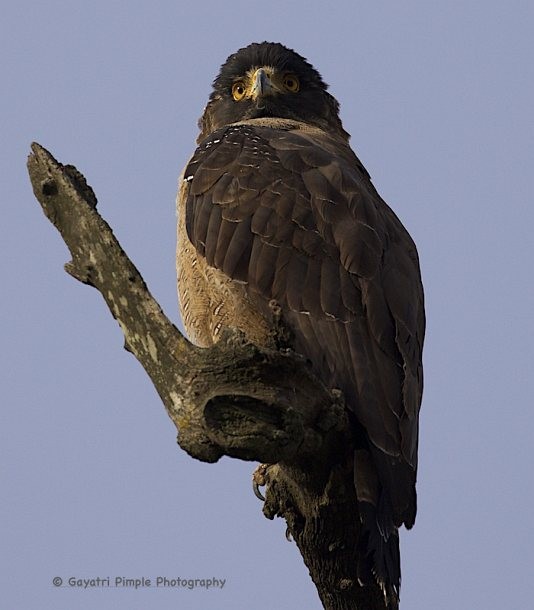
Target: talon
(257,492)
(258,480)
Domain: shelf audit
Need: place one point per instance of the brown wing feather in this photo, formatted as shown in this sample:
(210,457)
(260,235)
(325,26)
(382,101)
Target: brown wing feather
(293,214)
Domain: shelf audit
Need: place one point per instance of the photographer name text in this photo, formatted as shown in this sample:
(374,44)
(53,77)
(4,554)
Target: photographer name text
(159,582)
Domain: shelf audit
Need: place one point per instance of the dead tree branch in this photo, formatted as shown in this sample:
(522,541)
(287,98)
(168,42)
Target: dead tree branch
(232,399)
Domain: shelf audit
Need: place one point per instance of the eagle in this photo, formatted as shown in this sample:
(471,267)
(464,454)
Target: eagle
(274,206)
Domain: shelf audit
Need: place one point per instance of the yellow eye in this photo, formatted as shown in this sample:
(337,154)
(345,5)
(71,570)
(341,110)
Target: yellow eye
(291,83)
(238,91)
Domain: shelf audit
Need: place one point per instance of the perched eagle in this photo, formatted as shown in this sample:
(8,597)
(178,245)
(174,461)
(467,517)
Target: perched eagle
(275,206)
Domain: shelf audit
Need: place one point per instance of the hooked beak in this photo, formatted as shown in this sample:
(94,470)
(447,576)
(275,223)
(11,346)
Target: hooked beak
(261,85)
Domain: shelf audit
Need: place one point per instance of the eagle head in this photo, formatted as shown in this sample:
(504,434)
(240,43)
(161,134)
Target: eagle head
(268,80)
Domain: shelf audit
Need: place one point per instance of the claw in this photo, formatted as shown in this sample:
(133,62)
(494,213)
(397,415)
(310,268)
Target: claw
(257,492)
(258,480)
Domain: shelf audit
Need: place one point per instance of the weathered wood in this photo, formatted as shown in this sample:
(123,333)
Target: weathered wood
(231,399)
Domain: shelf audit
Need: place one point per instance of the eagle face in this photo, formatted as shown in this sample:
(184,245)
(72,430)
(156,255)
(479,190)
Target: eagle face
(268,80)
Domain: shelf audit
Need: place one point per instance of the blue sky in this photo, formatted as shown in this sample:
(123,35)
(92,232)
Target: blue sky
(438,98)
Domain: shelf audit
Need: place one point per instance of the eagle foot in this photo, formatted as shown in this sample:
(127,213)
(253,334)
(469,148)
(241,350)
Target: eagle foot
(259,480)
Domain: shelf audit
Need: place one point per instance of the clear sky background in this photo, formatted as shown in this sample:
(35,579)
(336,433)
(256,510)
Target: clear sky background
(438,97)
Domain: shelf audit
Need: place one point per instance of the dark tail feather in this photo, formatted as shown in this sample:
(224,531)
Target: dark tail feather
(378,553)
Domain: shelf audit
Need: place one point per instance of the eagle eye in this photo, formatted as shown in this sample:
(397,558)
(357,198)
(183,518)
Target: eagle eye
(291,83)
(238,91)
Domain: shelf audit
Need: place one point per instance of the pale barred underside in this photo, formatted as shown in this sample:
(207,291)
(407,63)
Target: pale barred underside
(209,299)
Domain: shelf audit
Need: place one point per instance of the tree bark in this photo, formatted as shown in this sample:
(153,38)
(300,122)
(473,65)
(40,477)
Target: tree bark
(232,399)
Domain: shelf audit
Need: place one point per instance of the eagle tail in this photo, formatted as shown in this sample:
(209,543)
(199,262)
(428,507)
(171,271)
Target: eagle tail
(378,554)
